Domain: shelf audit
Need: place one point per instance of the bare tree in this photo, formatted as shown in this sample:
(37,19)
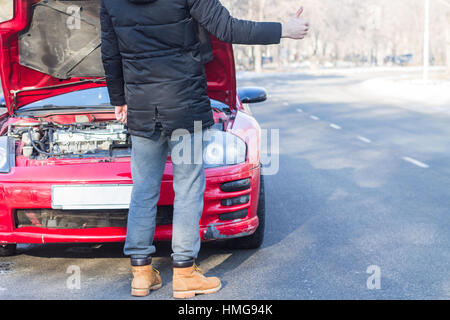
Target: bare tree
(345,32)
(352,32)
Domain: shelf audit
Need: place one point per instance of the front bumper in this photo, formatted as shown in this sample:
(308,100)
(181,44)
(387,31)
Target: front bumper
(19,191)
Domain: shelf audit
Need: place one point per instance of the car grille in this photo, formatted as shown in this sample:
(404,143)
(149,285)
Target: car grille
(82,219)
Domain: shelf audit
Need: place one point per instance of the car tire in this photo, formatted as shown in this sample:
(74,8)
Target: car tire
(255,240)
(8,250)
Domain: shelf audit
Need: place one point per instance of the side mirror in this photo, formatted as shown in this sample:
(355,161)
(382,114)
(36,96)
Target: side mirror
(252,95)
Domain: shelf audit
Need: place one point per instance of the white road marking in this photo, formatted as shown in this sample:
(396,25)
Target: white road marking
(416,162)
(285,104)
(315,118)
(364,139)
(335,126)
(3,289)
(299,110)
(213,261)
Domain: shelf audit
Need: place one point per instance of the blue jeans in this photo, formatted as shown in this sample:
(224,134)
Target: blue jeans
(148,159)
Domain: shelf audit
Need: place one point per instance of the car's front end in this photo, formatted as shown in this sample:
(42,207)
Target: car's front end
(72,182)
(65,160)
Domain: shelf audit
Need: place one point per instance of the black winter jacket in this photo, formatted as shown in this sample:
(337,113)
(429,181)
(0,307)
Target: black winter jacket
(151,55)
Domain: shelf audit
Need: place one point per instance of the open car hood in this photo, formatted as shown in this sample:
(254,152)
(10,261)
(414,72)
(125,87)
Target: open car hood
(51,47)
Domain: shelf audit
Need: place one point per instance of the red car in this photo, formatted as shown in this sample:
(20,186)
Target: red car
(65,160)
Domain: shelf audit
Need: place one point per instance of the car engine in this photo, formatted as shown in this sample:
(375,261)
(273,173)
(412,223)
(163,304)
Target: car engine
(78,140)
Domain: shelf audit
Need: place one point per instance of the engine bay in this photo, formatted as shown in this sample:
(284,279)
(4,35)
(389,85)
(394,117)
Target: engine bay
(65,132)
(43,140)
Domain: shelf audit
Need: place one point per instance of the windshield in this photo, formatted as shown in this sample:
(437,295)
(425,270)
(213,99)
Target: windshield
(82,98)
(94,97)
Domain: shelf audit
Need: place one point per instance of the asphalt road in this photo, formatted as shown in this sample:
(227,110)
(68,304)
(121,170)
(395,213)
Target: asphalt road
(363,184)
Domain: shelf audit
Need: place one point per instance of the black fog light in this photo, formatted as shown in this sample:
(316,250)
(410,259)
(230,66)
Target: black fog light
(236,201)
(233,215)
(237,185)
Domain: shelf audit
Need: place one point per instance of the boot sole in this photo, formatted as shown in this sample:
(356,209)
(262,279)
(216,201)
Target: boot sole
(144,292)
(191,294)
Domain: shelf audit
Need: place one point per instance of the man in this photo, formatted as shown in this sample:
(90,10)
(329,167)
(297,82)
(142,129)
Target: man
(153,59)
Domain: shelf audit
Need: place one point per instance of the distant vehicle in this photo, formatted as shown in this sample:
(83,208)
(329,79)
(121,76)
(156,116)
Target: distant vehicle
(267,60)
(400,60)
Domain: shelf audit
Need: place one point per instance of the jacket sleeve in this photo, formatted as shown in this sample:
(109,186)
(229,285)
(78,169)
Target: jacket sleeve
(112,59)
(215,18)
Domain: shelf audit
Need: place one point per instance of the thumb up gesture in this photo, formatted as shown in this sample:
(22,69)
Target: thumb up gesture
(296,27)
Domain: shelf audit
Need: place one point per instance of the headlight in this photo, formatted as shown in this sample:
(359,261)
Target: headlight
(7,156)
(222,149)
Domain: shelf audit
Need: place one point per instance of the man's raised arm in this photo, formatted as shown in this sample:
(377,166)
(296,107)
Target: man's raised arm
(215,18)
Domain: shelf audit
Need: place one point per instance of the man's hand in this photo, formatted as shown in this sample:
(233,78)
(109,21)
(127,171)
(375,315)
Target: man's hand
(121,113)
(296,27)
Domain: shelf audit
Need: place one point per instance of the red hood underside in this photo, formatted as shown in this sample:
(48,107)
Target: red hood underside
(23,85)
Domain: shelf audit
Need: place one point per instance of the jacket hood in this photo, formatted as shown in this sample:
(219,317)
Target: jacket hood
(41,57)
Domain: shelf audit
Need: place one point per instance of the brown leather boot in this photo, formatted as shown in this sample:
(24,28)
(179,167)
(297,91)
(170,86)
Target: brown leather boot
(146,278)
(189,281)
